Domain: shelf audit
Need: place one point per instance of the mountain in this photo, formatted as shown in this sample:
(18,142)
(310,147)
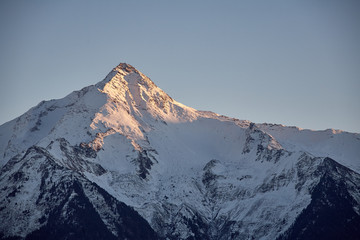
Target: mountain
(123,160)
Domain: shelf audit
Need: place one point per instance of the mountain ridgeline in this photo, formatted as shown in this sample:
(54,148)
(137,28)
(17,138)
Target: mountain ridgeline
(121,159)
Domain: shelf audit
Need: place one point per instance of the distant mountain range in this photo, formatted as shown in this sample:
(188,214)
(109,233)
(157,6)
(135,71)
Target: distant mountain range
(121,159)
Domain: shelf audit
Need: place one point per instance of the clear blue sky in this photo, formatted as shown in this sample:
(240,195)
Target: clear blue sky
(287,62)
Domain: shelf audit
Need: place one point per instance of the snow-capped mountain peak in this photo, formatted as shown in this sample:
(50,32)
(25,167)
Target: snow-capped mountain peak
(135,105)
(121,155)
(123,70)
(125,102)
(125,84)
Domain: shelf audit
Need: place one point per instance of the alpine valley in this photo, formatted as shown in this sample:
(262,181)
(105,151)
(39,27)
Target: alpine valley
(123,160)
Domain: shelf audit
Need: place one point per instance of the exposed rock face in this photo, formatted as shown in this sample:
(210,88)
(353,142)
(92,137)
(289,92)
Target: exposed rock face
(333,212)
(123,160)
(50,201)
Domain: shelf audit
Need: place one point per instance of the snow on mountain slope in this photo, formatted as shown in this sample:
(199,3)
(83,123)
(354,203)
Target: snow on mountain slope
(116,105)
(190,174)
(67,117)
(41,199)
(336,144)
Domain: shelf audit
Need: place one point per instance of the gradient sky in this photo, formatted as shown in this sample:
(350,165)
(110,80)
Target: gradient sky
(287,62)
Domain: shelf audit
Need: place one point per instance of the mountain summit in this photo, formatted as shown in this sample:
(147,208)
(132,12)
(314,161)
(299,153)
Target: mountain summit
(123,160)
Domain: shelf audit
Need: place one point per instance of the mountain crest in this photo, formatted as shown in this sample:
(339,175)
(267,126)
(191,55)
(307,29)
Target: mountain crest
(125,67)
(134,106)
(129,75)
(126,84)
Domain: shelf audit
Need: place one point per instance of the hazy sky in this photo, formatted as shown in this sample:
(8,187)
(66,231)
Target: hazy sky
(287,62)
